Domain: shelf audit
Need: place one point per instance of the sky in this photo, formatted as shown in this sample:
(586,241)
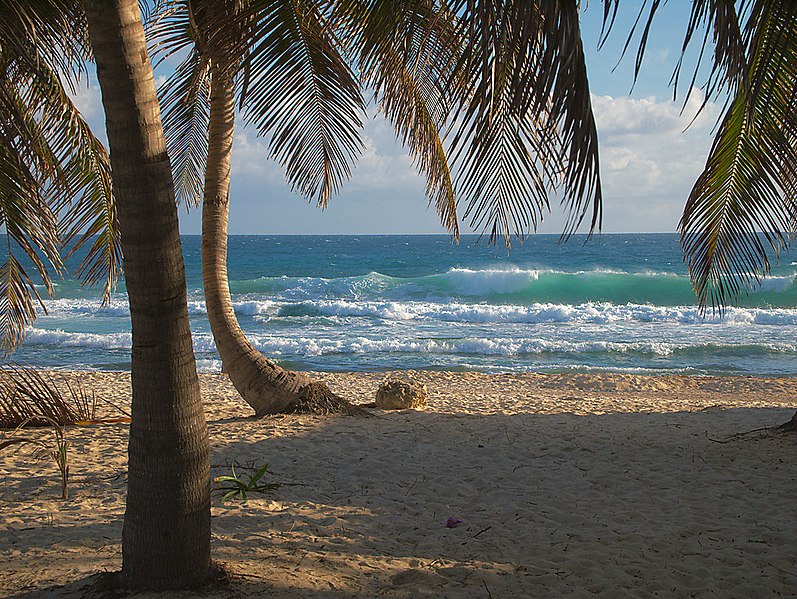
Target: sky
(649,159)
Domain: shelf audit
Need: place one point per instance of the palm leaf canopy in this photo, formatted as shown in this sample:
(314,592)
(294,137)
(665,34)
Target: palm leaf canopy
(294,86)
(50,163)
(491,98)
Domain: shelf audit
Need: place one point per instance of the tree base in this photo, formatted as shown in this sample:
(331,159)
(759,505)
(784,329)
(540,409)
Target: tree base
(114,584)
(318,398)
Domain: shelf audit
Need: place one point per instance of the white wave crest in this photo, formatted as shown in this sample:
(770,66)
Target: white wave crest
(305,346)
(775,284)
(466,281)
(595,313)
(60,338)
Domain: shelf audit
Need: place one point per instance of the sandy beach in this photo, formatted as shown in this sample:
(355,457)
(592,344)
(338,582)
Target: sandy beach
(566,485)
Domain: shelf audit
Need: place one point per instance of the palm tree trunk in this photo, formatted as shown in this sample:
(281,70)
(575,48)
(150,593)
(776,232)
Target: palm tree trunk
(266,387)
(166,534)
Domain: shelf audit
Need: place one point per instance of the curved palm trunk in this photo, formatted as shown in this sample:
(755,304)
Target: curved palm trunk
(166,534)
(265,386)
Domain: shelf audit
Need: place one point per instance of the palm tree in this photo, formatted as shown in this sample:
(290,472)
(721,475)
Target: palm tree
(166,534)
(206,81)
(51,165)
(458,81)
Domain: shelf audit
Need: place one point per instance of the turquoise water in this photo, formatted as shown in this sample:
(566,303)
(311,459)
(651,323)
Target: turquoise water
(616,302)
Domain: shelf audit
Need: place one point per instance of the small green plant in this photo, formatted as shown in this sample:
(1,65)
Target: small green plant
(232,486)
(58,453)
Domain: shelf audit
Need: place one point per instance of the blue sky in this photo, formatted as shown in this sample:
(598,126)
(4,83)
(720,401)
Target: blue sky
(648,162)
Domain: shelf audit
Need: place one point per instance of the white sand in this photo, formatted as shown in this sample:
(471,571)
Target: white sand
(568,485)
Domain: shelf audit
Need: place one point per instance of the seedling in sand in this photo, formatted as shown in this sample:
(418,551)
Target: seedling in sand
(58,453)
(233,486)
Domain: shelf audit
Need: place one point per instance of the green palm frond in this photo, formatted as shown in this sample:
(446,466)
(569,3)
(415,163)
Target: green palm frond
(90,218)
(49,31)
(527,126)
(30,168)
(503,173)
(744,200)
(186,118)
(17,308)
(48,158)
(406,50)
(79,185)
(185,95)
(720,22)
(300,92)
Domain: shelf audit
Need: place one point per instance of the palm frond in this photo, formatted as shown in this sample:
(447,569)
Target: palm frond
(406,50)
(504,172)
(186,118)
(17,309)
(27,165)
(721,24)
(48,157)
(744,200)
(91,219)
(528,103)
(300,91)
(185,95)
(79,183)
(49,31)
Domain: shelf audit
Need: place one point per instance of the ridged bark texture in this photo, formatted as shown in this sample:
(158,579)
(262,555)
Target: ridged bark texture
(166,534)
(266,387)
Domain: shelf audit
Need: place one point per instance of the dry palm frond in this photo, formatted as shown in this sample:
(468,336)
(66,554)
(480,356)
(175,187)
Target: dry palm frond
(31,397)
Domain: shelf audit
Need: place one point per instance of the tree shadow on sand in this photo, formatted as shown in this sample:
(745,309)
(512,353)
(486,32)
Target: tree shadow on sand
(551,504)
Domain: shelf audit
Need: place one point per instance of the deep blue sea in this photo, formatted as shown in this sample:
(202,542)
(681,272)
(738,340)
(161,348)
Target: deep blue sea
(614,303)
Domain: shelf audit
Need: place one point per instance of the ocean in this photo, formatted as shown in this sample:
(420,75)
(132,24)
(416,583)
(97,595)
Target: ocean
(370,303)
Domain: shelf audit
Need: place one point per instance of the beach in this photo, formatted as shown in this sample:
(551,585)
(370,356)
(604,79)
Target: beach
(618,485)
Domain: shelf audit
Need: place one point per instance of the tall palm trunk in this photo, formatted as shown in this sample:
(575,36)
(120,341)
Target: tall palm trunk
(262,384)
(166,535)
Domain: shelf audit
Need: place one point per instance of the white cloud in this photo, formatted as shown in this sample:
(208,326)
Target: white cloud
(250,156)
(649,158)
(648,166)
(650,116)
(86,98)
(384,163)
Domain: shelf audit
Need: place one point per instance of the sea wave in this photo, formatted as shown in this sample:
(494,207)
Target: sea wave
(597,313)
(456,311)
(315,346)
(516,285)
(109,341)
